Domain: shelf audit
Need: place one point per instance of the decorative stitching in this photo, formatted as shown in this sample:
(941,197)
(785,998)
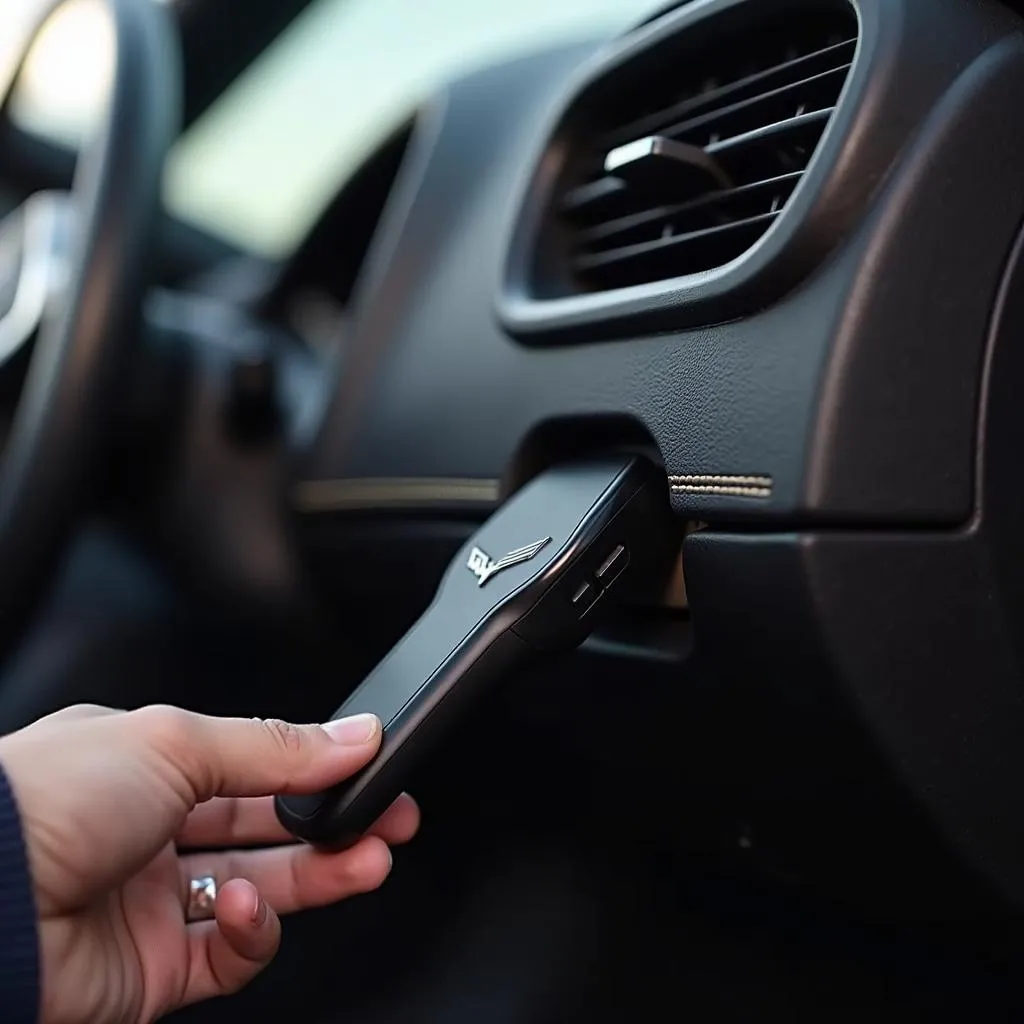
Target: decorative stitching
(723,478)
(728,485)
(736,492)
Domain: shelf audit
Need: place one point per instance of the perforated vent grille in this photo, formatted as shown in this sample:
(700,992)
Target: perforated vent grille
(679,164)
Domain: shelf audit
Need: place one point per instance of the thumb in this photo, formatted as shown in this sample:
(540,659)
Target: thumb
(257,757)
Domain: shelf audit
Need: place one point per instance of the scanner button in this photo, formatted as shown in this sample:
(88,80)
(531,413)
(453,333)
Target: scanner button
(584,598)
(612,566)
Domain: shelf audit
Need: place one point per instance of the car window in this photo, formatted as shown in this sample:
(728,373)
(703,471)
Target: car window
(260,165)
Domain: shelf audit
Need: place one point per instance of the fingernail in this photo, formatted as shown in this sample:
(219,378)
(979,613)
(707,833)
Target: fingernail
(259,915)
(354,731)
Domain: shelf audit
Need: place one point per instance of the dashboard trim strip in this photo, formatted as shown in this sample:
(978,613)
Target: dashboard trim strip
(398,492)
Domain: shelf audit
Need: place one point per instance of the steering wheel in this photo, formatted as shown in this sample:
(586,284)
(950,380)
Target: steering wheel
(71,347)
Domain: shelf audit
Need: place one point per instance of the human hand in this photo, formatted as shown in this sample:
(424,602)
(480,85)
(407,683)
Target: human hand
(108,797)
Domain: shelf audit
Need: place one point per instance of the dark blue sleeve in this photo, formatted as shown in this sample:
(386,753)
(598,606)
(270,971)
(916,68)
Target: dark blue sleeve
(19,941)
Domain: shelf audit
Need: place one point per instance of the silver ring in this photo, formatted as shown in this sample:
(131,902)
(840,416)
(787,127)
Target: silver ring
(202,896)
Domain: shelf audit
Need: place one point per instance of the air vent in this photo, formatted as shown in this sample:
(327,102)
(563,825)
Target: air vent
(682,158)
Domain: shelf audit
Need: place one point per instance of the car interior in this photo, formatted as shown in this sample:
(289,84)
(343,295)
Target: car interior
(296,295)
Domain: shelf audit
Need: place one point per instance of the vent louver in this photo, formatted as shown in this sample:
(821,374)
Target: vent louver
(680,164)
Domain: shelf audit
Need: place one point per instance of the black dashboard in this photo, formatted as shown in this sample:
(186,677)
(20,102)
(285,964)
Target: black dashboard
(735,394)
(815,339)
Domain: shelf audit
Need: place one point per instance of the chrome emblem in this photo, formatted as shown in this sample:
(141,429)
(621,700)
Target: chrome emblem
(483,567)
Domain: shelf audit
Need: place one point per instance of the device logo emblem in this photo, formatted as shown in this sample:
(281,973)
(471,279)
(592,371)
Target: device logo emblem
(483,567)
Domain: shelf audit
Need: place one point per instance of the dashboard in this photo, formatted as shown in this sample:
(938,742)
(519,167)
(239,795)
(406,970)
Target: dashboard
(717,403)
(812,329)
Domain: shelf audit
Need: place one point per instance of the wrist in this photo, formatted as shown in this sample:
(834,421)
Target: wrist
(19,937)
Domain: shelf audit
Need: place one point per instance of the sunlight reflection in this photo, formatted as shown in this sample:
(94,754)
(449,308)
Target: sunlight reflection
(68,72)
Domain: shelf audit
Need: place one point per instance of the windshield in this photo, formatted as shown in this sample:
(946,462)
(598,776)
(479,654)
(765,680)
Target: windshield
(265,159)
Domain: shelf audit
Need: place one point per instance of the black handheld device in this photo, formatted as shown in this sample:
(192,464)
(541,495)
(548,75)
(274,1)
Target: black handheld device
(530,582)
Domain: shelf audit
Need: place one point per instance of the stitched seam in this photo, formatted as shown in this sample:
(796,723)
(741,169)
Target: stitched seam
(723,484)
(726,480)
(737,492)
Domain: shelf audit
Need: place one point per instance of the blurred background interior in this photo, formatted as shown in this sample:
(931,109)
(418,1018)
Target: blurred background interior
(340,79)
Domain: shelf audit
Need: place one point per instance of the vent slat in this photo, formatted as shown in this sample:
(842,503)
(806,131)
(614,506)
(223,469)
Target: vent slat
(593,192)
(675,255)
(782,186)
(805,66)
(779,129)
(813,94)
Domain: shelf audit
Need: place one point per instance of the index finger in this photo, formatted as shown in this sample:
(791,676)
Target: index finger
(237,821)
(256,757)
